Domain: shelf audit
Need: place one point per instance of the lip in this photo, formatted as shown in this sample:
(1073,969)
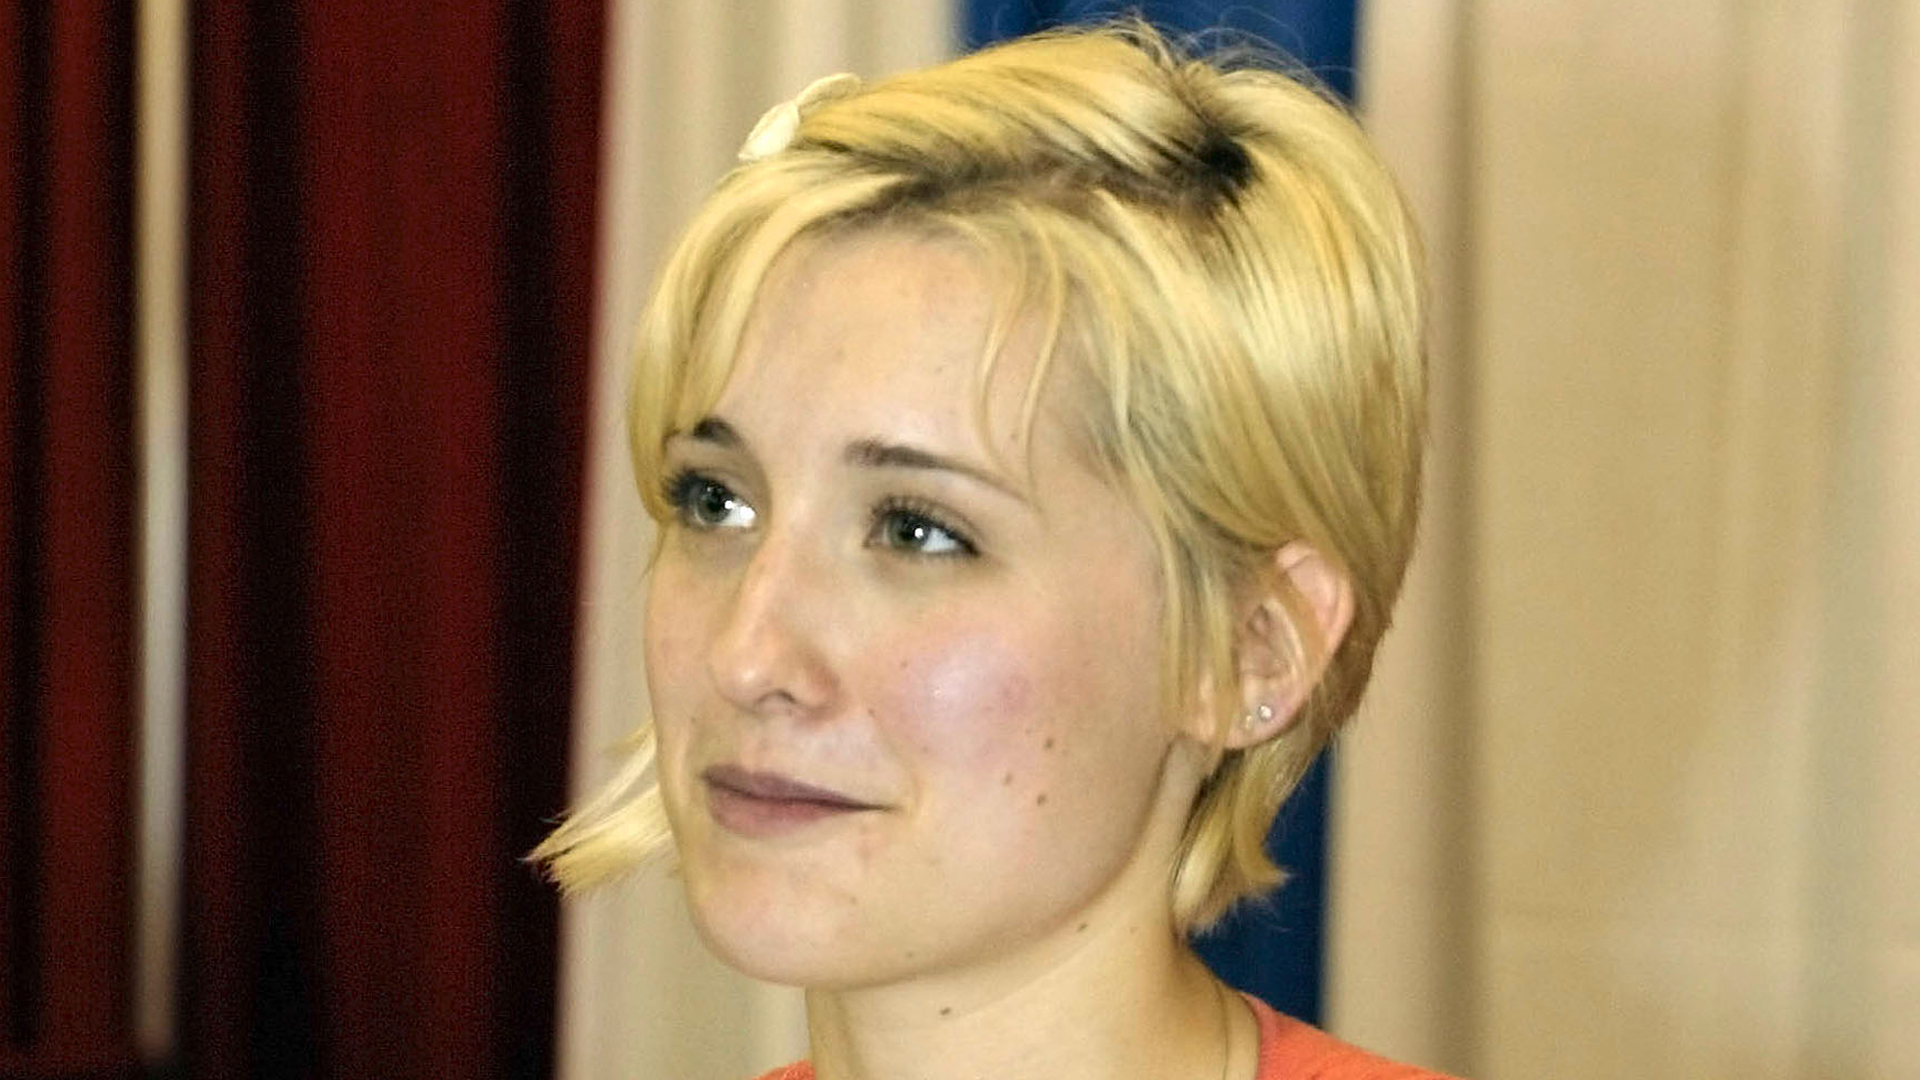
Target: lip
(764,805)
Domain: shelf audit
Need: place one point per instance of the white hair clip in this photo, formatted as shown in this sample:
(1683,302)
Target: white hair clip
(778,125)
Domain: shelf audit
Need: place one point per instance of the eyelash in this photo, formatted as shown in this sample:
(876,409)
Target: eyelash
(915,510)
(686,487)
(683,487)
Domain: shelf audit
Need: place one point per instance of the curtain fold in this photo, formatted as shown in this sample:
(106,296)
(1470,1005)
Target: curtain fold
(391,289)
(1401,970)
(1655,816)
(66,538)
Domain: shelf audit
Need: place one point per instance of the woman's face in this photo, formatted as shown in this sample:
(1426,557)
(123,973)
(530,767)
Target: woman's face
(904,671)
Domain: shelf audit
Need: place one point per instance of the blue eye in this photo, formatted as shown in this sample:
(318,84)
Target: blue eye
(705,503)
(906,527)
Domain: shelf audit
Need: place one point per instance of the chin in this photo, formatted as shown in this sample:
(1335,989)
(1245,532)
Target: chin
(819,942)
(772,947)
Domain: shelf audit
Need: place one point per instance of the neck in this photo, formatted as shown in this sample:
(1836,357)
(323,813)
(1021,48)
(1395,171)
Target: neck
(1128,1003)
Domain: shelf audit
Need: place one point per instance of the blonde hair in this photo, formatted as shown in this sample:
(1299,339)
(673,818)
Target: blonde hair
(1234,276)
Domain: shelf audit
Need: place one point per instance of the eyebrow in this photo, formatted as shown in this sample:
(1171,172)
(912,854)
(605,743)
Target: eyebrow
(872,453)
(877,454)
(712,429)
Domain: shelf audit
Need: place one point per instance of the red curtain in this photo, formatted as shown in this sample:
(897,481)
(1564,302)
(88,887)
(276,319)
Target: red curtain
(391,252)
(66,534)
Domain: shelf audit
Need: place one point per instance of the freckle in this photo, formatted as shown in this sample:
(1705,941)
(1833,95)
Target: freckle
(946,1010)
(1081,928)
(1049,744)
(1042,800)
(1007,780)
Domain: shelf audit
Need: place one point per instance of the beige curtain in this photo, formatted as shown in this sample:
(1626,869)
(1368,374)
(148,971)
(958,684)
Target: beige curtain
(1639,793)
(686,81)
(160,328)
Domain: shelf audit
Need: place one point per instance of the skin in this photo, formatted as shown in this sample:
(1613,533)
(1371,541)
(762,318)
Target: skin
(971,652)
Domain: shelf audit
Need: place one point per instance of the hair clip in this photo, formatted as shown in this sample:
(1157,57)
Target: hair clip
(778,125)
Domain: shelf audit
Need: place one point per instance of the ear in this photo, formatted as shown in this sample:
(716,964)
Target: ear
(1278,660)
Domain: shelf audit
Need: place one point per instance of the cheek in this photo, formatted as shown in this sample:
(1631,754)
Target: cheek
(675,657)
(669,651)
(962,702)
(683,605)
(993,721)
(1057,721)
(1026,750)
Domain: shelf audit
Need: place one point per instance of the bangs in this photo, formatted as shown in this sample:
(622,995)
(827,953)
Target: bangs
(688,341)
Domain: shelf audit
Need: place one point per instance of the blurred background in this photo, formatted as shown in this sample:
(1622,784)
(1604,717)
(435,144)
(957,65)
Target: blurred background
(321,563)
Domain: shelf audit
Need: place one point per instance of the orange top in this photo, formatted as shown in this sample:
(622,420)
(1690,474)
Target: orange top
(1289,1050)
(1292,1050)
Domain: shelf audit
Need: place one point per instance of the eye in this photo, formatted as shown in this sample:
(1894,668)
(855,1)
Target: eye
(904,526)
(705,503)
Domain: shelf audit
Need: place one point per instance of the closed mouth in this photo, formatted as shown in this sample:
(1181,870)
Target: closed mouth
(773,787)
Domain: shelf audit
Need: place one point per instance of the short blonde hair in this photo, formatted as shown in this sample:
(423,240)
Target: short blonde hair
(1223,259)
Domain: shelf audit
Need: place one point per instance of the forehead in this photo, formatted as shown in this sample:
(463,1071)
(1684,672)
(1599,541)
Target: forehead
(909,330)
(874,299)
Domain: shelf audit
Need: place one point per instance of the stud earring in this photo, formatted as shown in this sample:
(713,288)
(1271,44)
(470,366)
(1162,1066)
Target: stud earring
(1257,716)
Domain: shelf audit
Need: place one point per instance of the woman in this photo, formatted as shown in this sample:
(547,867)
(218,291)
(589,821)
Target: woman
(1035,445)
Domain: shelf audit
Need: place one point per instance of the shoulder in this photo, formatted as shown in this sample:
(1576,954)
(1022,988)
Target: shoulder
(1292,1050)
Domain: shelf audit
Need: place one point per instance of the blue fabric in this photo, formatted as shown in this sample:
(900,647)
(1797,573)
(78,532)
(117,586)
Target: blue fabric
(1273,950)
(1276,949)
(1317,33)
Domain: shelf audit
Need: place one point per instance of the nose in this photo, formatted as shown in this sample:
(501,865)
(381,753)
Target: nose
(766,655)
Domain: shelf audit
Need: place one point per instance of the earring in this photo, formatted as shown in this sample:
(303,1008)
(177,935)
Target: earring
(1257,716)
